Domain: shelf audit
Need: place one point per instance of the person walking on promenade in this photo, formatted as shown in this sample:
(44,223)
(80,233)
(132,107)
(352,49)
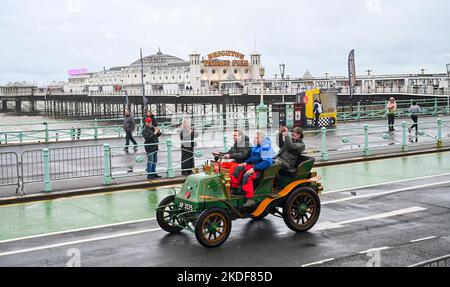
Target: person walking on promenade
(317,111)
(151,135)
(187,136)
(414,110)
(149,114)
(391,111)
(129,125)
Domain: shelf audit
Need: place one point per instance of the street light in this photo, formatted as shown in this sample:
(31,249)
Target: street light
(369,71)
(448,75)
(262,72)
(282,69)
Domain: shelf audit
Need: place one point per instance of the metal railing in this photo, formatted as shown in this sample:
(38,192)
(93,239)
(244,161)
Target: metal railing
(9,169)
(113,163)
(443,261)
(377,110)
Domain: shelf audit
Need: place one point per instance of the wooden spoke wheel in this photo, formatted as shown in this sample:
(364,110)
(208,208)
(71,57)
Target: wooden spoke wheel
(166,215)
(302,209)
(213,227)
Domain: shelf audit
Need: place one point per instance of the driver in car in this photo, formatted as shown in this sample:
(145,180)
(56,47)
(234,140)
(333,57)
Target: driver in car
(260,158)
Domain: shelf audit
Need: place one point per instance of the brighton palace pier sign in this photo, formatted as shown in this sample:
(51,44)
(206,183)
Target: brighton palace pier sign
(215,61)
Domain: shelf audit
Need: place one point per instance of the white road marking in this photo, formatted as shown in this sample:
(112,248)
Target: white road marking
(375,249)
(78,242)
(383,183)
(318,262)
(423,239)
(77,230)
(385,192)
(331,225)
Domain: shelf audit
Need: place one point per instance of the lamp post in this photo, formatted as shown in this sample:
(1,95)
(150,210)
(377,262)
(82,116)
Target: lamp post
(448,75)
(282,69)
(262,109)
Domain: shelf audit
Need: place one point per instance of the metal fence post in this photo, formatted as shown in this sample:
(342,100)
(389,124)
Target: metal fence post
(405,137)
(170,172)
(95,129)
(21,136)
(225,149)
(439,134)
(366,140)
(46,132)
(107,178)
(448,105)
(358,113)
(46,163)
(435,112)
(324,144)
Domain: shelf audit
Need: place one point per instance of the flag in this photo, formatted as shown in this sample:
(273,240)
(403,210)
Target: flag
(351,71)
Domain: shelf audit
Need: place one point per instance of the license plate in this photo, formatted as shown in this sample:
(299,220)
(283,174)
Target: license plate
(185,206)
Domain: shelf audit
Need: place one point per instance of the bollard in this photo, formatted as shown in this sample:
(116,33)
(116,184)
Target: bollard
(405,137)
(225,149)
(170,172)
(366,140)
(46,132)
(95,129)
(46,171)
(324,144)
(107,178)
(439,144)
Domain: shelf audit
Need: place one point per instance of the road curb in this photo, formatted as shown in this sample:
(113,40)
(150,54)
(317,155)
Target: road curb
(179,180)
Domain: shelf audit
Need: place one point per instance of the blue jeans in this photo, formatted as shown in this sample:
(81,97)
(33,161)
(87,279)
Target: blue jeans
(152,158)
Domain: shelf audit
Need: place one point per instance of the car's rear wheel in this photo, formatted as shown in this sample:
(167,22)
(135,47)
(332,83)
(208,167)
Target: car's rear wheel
(301,209)
(213,227)
(166,215)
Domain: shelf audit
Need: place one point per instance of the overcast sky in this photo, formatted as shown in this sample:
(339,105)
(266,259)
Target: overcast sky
(41,39)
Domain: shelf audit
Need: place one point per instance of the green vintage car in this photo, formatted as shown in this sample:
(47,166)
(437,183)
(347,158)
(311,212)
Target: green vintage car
(206,204)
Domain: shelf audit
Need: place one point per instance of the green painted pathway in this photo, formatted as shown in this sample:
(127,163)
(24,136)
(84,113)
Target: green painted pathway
(64,214)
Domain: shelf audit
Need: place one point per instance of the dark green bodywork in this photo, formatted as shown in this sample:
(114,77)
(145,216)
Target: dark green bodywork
(207,190)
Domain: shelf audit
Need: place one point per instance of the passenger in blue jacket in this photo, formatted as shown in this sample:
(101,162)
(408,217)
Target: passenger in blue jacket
(260,158)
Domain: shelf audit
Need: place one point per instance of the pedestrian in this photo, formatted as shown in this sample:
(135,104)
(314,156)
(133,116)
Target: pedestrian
(129,125)
(414,110)
(391,111)
(317,111)
(151,135)
(149,114)
(187,136)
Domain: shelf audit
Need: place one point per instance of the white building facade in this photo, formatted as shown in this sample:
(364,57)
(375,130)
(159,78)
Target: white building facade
(162,72)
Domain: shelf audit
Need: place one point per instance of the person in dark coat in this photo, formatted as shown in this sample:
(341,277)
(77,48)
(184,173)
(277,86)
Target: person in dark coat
(129,125)
(317,111)
(291,147)
(187,137)
(241,148)
(151,135)
(149,114)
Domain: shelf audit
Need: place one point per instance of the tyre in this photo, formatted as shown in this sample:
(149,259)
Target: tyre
(166,216)
(213,227)
(301,209)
